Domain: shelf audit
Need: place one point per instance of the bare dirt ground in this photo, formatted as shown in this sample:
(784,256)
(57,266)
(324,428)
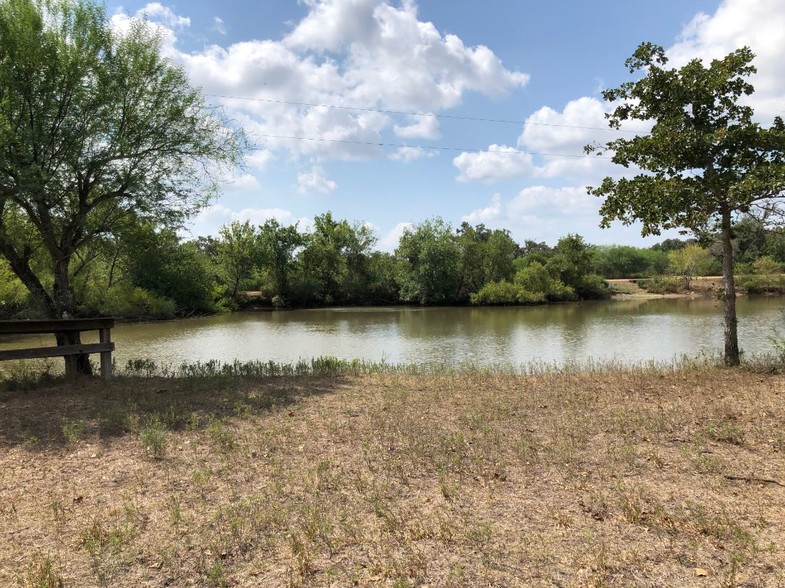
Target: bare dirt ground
(639,478)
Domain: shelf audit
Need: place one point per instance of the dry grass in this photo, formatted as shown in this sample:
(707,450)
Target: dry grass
(594,479)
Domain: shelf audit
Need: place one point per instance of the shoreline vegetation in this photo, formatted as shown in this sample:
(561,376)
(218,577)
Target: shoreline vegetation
(331,472)
(151,274)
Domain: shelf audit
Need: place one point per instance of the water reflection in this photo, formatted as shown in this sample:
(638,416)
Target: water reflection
(628,330)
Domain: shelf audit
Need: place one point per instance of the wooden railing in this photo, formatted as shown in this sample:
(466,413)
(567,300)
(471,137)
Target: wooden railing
(68,329)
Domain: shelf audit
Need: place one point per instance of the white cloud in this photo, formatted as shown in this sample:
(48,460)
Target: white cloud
(550,131)
(759,24)
(368,54)
(315,181)
(561,136)
(407,154)
(242,183)
(160,18)
(421,127)
(393,58)
(495,211)
(544,201)
(551,145)
(260,159)
(539,202)
(219,25)
(331,25)
(546,213)
(499,162)
(558,139)
(157,12)
(211,218)
(390,241)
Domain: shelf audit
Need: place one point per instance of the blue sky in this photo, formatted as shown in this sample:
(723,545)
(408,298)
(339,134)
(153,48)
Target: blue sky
(331,91)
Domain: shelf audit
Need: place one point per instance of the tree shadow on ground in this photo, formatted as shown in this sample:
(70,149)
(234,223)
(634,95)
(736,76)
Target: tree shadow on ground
(50,415)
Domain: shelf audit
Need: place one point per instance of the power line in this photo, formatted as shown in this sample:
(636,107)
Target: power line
(428,114)
(425,148)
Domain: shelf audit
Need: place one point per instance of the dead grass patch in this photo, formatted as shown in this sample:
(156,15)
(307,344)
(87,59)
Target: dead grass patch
(611,478)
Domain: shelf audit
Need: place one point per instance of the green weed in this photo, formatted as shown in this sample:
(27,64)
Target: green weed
(153,439)
(73,431)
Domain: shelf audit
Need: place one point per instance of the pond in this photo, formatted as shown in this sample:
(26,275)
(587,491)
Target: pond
(629,331)
(625,330)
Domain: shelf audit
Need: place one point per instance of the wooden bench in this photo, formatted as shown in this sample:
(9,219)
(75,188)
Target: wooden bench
(67,328)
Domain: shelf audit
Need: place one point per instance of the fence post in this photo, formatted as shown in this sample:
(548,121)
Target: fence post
(106,356)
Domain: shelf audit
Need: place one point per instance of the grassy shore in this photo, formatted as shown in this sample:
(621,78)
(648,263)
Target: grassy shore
(639,477)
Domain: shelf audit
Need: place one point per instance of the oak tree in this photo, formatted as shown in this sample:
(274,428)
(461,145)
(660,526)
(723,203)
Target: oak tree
(96,126)
(705,160)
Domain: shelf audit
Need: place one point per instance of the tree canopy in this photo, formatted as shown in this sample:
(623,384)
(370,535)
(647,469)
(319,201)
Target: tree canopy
(97,129)
(705,160)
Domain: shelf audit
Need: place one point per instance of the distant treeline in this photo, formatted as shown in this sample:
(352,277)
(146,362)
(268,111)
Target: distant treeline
(143,272)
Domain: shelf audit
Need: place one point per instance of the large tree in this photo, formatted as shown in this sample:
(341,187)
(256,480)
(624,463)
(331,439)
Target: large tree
(238,254)
(705,160)
(96,126)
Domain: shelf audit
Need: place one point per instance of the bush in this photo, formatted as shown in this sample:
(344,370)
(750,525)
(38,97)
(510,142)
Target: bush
(535,277)
(503,293)
(662,285)
(623,261)
(592,287)
(126,301)
(761,284)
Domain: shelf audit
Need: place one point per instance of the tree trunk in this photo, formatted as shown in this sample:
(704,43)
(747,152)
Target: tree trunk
(22,270)
(64,305)
(731,336)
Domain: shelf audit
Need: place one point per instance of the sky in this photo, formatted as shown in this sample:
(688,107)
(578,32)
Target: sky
(390,112)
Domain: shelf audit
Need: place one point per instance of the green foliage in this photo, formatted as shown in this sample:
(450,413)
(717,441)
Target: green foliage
(153,440)
(755,284)
(485,256)
(429,263)
(571,259)
(571,262)
(42,572)
(74,430)
(159,263)
(670,244)
(662,285)
(277,246)
(237,254)
(624,261)
(766,266)
(701,128)
(83,148)
(706,159)
(505,293)
(14,297)
(382,286)
(538,279)
(775,244)
(689,262)
(533,251)
(128,301)
(749,239)
(592,287)
(335,260)
(767,278)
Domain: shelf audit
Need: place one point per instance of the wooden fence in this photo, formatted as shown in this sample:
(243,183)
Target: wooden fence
(68,329)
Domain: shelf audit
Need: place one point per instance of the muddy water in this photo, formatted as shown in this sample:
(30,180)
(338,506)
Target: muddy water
(630,331)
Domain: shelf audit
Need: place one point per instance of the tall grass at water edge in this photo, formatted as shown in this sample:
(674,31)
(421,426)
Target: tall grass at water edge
(27,375)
